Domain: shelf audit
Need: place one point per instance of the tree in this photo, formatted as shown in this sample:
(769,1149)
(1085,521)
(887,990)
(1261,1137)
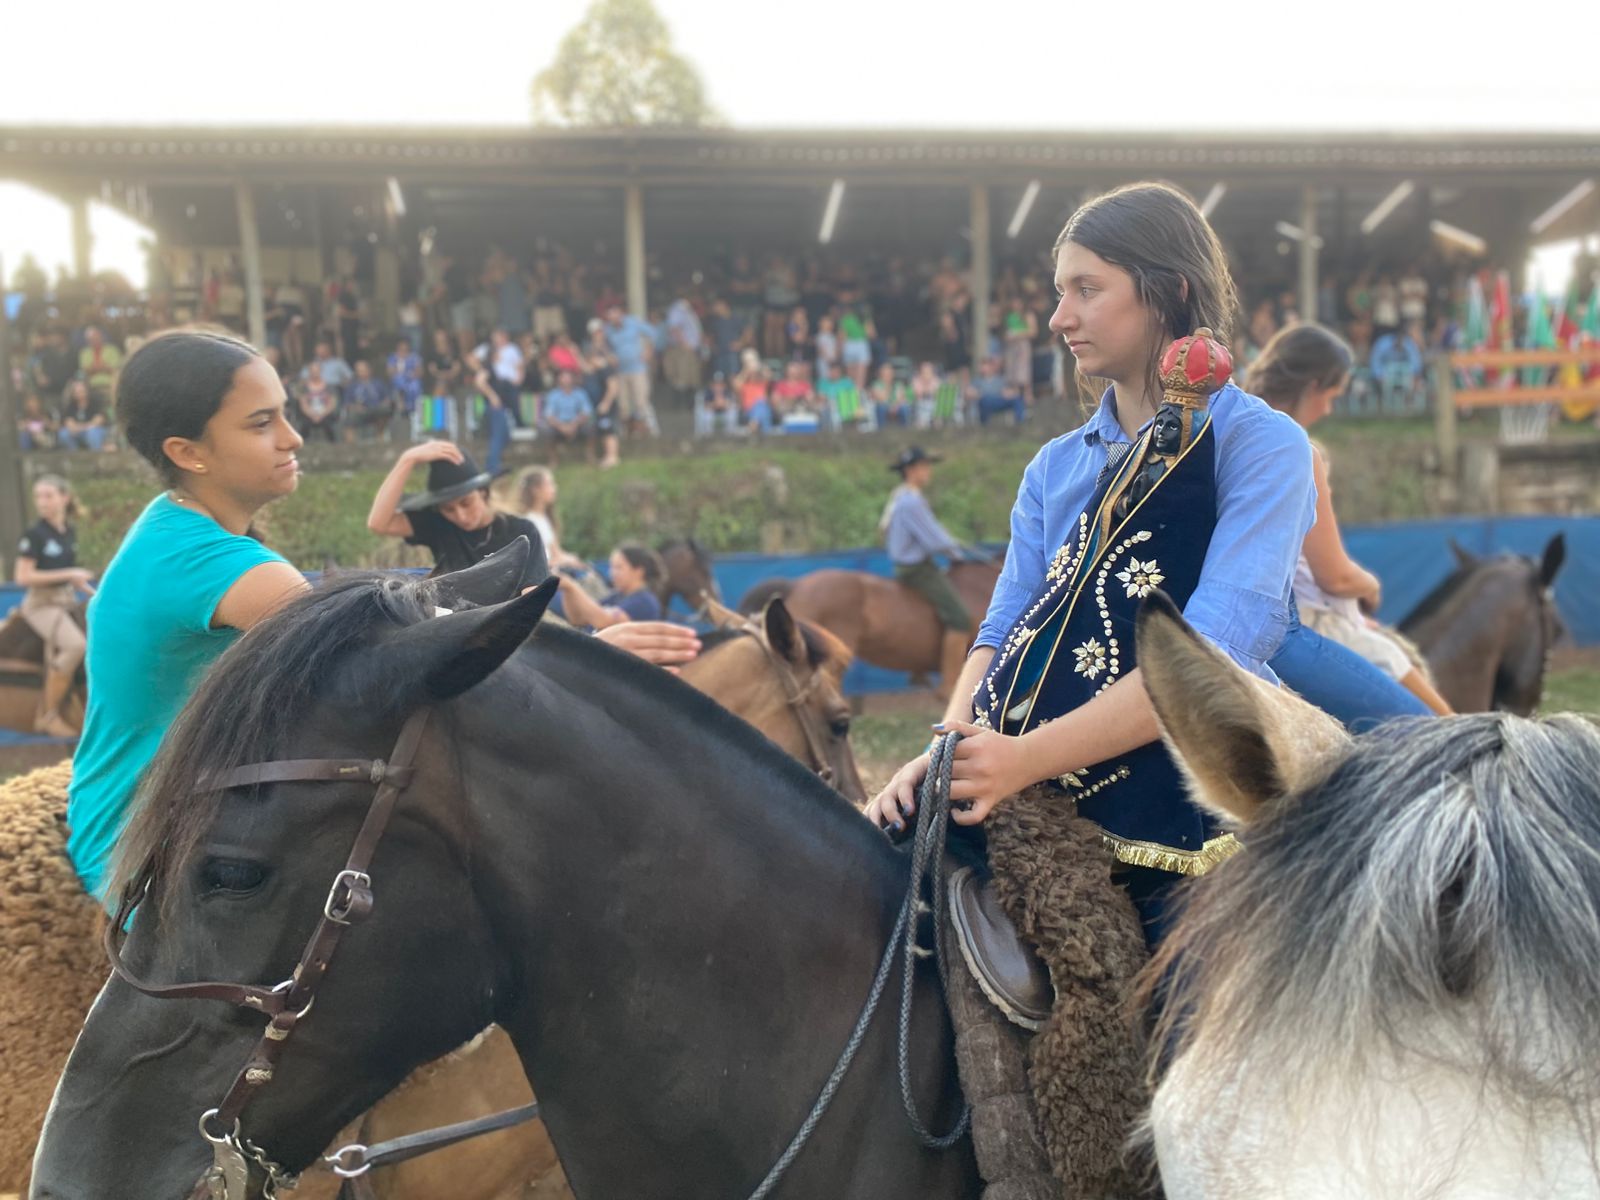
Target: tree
(616,69)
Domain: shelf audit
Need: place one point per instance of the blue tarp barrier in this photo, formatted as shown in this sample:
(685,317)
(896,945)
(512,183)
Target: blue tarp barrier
(1411,557)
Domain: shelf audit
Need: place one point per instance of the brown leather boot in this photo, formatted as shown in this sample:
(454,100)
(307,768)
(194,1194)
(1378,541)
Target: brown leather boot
(952,657)
(57,687)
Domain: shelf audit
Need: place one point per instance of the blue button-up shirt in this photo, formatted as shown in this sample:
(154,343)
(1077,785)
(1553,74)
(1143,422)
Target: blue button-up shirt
(628,341)
(566,406)
(914,533)
(1266,503)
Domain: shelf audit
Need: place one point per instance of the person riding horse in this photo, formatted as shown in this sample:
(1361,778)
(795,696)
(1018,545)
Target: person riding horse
(914,538)
(47,565)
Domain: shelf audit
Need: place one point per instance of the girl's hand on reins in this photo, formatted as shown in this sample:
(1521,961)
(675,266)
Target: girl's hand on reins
(988,767)
(897,803)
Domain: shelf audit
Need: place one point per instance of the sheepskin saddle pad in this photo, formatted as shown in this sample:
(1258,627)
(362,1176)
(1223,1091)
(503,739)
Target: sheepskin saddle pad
(1053,1112)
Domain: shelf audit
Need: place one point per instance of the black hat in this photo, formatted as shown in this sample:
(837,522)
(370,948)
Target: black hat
(910,457)
(448,481)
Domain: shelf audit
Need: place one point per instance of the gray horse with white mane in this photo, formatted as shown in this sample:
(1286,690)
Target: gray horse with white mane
(1391,991)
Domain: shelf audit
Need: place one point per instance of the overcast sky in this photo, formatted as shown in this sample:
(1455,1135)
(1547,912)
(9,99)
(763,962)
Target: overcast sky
(1234,64)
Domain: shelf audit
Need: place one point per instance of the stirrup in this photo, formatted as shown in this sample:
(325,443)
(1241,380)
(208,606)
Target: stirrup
(1005,967)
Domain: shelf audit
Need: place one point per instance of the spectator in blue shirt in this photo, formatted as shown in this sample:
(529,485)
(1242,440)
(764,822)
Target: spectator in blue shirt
(994,395)
(405,375)
(1397,355)
(635,573)
(632,343)
(367,406)
(336,373)
(568,415)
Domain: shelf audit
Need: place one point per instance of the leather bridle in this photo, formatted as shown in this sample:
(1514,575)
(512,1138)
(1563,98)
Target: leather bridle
(350,901)
(797,697)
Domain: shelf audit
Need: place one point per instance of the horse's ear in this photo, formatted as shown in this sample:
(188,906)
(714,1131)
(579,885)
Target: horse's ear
(1464,558)
(495,579)
(783,634)
(1554,555)
(1241,743)
(438,659)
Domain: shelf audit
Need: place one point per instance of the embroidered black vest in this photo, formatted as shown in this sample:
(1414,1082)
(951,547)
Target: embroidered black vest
(1075,639)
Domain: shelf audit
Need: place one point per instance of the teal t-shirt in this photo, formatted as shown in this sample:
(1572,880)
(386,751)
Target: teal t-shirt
(150,639)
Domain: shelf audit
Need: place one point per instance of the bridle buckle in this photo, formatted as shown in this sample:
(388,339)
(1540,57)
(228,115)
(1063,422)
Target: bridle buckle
(349,897)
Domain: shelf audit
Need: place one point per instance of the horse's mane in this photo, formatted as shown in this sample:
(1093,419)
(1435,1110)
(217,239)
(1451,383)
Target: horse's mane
(248,703)
(1454,584)
(263,686)
(1436,897)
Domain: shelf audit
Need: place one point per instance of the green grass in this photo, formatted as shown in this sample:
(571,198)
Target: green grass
(767,497)
(892,737)
(1573,690)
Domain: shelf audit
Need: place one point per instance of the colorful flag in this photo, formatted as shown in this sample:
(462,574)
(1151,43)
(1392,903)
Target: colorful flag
(1474,330)
(1500,329)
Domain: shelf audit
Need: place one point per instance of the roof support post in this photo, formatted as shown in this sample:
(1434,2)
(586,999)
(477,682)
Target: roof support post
(250,251)
(1308,253)
(633,248)
(982,281)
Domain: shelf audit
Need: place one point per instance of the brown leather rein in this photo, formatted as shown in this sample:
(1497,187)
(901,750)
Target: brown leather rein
(350,901)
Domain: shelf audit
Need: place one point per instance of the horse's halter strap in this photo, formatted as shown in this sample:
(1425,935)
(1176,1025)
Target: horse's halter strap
(350,899)
(797,697)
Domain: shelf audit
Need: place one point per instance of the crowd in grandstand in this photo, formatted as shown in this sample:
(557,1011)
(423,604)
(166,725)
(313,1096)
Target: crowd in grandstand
(506,348)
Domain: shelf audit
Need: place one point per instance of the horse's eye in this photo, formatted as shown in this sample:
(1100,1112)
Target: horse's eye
(840,727)
(236,875)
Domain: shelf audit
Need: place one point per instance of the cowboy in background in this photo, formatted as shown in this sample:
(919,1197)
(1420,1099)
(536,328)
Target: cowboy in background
(914,537)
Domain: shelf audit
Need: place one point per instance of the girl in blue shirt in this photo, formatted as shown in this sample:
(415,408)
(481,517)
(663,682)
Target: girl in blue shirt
(1135,270)
(208,412)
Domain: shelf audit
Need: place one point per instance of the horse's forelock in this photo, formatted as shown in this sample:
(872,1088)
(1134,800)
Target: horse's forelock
(1438,894)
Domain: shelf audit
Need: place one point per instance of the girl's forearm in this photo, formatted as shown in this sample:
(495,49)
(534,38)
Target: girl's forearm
(1118,720)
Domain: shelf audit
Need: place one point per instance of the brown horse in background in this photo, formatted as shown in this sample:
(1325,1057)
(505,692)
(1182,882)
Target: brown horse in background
(879,620)
(22,675)
(1486,632)
(689,574)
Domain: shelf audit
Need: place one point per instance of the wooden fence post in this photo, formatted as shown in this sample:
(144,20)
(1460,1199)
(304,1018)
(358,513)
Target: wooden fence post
(1444,426)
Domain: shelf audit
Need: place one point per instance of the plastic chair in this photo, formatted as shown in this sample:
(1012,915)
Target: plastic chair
(434,417)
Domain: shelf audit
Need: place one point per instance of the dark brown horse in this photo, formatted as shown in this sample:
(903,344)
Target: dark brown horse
(22,676)
(1487,631)
(879,620)
(689,574)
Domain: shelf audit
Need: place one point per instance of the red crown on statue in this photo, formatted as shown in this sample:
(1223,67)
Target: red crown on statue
(1193,367)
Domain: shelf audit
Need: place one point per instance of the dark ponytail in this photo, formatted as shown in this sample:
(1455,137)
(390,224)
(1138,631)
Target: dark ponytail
(642,558)
(172,386)
(1295,360)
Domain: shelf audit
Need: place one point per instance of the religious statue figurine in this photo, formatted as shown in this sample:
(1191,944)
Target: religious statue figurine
(1166,440)
(1191,369)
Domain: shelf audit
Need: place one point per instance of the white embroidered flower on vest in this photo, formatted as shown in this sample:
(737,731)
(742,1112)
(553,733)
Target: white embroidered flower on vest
(1091,658)
(1141,578)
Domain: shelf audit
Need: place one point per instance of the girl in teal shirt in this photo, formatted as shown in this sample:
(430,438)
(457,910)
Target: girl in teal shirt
(208,412)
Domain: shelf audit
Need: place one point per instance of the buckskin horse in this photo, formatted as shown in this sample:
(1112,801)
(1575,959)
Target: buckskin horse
(583,854)
(879,620)
(1486,632)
